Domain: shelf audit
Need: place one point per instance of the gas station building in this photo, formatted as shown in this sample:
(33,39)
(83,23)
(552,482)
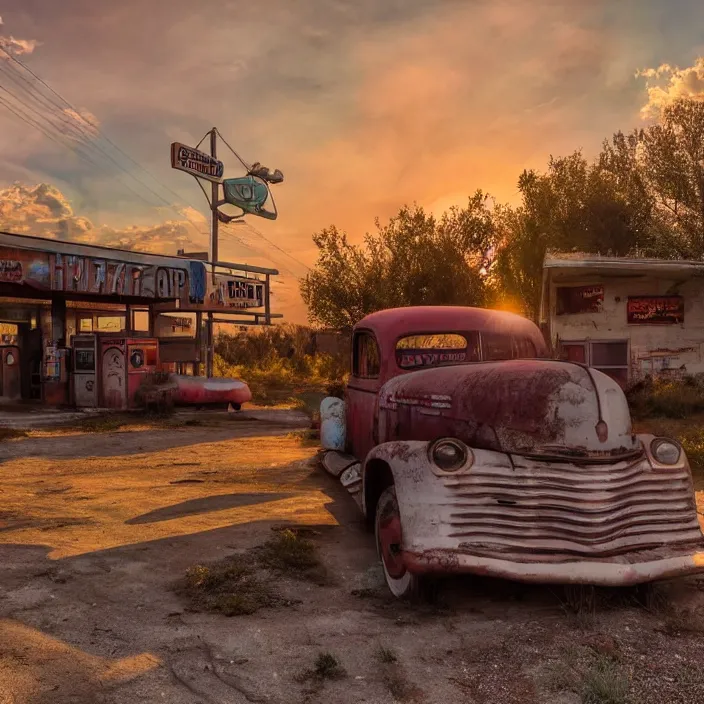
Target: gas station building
(82,325)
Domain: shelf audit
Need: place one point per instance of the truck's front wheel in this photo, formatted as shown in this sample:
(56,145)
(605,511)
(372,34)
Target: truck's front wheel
(387,529)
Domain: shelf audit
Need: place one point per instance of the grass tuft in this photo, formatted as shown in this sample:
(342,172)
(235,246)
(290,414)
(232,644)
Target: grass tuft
(289,553)
(386,655)
(229,587)
(327,667)
(605,683)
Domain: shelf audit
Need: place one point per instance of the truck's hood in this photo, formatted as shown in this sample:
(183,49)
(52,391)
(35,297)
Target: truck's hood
(540,407)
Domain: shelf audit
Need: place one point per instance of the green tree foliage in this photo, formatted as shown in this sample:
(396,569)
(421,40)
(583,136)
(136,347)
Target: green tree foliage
(415,259)
(642,196)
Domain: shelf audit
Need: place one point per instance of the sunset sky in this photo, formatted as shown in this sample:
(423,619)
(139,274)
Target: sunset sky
(363,104)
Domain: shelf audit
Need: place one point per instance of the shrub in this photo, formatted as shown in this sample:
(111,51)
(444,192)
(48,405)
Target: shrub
(667,398)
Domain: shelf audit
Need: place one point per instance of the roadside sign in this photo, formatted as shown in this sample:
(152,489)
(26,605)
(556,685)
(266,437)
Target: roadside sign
(196,163)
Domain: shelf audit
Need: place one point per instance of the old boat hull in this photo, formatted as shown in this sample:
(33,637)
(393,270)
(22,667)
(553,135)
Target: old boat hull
(201,391)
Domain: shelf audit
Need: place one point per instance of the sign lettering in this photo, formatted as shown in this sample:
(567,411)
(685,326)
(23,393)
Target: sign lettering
(655,310)
(571,300)
(10,271)
(411,358)
(73,274)
(196,163)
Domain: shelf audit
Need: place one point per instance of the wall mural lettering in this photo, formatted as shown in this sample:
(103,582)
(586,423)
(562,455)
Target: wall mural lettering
(111,278)
(190,283)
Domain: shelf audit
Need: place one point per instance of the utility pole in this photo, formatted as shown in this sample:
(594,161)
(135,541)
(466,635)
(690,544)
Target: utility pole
(214,198)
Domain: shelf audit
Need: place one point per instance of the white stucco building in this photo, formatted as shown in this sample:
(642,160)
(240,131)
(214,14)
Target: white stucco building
(627,317)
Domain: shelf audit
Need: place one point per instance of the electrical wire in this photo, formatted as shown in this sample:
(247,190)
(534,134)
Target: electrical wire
(92,137)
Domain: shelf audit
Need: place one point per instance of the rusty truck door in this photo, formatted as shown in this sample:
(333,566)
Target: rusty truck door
(361,393)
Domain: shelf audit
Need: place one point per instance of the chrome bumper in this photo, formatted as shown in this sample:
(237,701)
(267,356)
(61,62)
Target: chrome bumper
(626,570)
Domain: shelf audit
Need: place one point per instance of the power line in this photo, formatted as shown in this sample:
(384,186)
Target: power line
(97,133)
(276,246)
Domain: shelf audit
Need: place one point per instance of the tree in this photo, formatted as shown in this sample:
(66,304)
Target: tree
(642,196)
(574,206)
(415,259)
(672,162)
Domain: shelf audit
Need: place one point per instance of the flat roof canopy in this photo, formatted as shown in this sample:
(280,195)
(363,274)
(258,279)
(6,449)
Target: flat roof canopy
(577,265)
(36,267)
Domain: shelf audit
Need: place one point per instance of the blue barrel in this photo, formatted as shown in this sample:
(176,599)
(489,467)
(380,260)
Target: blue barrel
(332,424)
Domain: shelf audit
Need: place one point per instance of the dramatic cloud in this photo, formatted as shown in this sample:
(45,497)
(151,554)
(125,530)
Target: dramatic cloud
(666,83)
(18,46)
(43,211)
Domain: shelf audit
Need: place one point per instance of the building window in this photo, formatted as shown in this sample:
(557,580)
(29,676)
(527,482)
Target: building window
(571,300)
(609,357)
(365,356)
(111,323)
(85,324)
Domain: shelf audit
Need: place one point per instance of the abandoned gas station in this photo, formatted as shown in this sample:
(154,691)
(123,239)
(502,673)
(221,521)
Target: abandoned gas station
(81,325)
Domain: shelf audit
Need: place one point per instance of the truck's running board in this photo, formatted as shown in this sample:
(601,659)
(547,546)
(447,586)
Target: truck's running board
(335,463)
(347,469)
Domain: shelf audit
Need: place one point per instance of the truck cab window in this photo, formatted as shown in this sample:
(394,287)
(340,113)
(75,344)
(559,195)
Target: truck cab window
(435,350)
(523,348)
(365,356)
(496,346)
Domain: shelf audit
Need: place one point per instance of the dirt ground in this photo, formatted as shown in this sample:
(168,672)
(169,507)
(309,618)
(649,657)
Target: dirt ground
(96,528)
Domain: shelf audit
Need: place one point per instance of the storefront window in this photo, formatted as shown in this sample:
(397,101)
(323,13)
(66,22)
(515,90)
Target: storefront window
(111,323)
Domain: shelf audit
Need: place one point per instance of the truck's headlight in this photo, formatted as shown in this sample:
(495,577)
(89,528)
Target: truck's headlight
(665,451)
(449,455)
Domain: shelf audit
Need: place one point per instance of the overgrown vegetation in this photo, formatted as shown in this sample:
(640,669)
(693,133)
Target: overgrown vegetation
(667,398)
(242,584)
(672,408)
(230,587)
(292,554)
(282,366)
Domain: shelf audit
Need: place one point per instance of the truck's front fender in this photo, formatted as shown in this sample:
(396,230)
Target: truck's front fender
(404,461)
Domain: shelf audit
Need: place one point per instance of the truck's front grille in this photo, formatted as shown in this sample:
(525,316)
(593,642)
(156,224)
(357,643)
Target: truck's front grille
(565,509)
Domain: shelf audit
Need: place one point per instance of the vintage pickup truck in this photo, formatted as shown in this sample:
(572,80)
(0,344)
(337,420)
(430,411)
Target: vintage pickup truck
(469,450)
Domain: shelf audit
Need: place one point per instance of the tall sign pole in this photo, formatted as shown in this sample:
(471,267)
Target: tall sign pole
(249,193)
(215,197)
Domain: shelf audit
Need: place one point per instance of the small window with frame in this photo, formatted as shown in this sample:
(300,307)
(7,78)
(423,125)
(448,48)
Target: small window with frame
(366,360)
(496,347)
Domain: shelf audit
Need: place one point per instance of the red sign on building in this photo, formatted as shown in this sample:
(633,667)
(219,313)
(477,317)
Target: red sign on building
(655,310)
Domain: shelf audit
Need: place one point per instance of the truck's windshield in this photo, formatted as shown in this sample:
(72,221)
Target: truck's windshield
(442,349)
